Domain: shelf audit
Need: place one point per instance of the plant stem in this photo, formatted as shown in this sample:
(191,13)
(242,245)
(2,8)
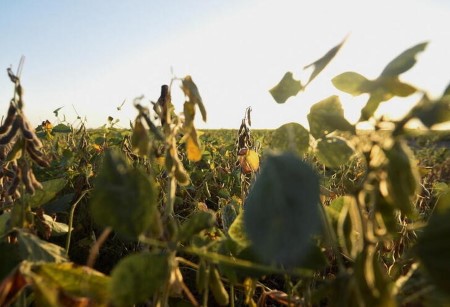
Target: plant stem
(72,211)
(96,247)
(171,189)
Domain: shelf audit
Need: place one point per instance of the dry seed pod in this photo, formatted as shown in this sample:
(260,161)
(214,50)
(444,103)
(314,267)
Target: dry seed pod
(34,149)
(26,178)
(9,119)
(39,160)
(29,134)
(6,138)
(34,182)
(13,187)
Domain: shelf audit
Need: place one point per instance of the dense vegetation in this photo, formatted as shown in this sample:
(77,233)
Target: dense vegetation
(163,214)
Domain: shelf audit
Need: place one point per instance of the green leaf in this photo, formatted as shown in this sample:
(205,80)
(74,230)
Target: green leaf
(327,116)
(432,112)
(10,258)
(61,128)
(197,222)
(34,249)
(291,137)
(137,277)
(237,231)
(397,88)
(74,280)
(281,211)
(42,196)
(351,82)
(446,91)
(286,88)
(433,246)
(349,227)
(333,151)
(402,183)
(4,219)
(404,61)
(373,103)
(321,63)
(123,198)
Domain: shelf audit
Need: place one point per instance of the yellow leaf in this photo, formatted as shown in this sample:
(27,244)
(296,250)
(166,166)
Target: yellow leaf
(193,150)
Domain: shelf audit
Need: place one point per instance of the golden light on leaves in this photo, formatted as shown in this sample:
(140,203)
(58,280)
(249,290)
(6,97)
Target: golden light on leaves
(193,149)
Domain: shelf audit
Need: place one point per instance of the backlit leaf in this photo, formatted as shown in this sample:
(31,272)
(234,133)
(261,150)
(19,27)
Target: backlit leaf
(123,198)
(190,90)
(137,277)
(74,280)
(402,178)
(42,196)
(194,153)
(286,88)
(333,151)
(237,231)
(404,61)
(281,211)
(291,137)
(197,222)
(327,116)
(34,249)
(351,83)
(321,63)
(432,112)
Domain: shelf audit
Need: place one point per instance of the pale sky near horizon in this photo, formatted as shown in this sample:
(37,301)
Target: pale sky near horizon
(92,55)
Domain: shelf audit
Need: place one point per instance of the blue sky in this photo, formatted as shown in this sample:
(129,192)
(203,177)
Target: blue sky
(94,54)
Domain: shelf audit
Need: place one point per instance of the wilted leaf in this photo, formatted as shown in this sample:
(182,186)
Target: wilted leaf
(404,61)
(291,137)
(281,212)
(76,281)
(137,277)
(123,198)
(46,194)
(286,88)
(140,138)
(327,116)
(402,178)
(321,63)
(34,249)
(191,91)
(333,151)
(433,246)
(351,83)
(197,222)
